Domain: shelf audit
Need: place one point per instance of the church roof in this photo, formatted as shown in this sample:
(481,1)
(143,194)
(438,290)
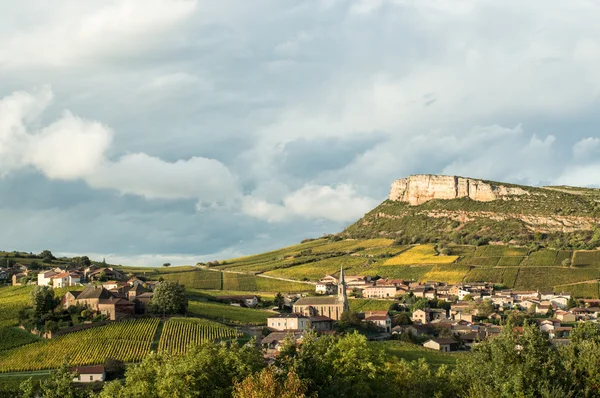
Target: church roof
(317,301)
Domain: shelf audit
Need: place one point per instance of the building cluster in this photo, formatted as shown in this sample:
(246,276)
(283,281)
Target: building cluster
(115,300)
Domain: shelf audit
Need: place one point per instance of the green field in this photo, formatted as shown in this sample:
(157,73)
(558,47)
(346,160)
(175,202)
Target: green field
(362,305)
(180,334)
(317,270)
(584,290)
(214,280)
(128,341)
(228,313)
(421,254)
(413,352)
(586,259)
(12,300)
(449,273)
(11,337)
(546,278)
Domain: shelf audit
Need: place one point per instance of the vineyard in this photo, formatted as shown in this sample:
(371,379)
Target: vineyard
(180,334)
(127,341)
(422,254)
(228,313)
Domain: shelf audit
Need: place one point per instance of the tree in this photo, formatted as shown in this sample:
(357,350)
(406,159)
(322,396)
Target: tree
(166,264)
(51,326)
(572,303)
(83,261)
(102,277)
(47,256)
(566,262)
(59,385)
(279,301)
(402,318)
(467,297)
(206,370)
(42,300)
(268,384)
(169,298)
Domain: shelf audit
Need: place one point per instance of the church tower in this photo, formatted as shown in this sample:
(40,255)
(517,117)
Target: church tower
(342,296)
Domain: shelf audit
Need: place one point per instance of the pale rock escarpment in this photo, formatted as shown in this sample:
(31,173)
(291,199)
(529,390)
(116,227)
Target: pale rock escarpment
(419,189)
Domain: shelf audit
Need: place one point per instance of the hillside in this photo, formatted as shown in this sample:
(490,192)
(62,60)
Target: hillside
(457,229)
(424,209)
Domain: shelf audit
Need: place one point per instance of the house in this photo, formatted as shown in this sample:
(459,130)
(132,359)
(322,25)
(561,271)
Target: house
(565,316)
(561,332)
(283,322)
(274,340)
(325,288)
(526,294)
(329,279)
(381,319)
(135,290)
(45,278)
(441,344)
(380,291)
(65,279)
(133,282)
(116,308)
(428,314)
(113,285)
(89,374)
(471,339)
(560,301)
(151,285)
(142,301)
(321,323)
(352,280)
(243,300)
(111,274)
(416,330)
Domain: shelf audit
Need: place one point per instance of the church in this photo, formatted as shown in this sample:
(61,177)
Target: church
(332,307)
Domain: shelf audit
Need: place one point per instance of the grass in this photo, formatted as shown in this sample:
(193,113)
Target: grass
(494,275)
(583,290)
(541,258)
(127,341)
(362,305)
(403,272)
(317,270)
(510,261)
(197,279)
(352,245)
(12,300)
(412,352)
(509,278)
(11,337)
(215,280)
(421,254)
(181,334)
(543,278)
(228,313)
(447,273)
(587,258)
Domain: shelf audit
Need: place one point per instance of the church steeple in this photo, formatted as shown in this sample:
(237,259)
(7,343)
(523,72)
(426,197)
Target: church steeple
(342,296)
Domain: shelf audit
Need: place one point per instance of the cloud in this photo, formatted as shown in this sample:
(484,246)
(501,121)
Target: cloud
(73,148)
(153,178)
(84,32)
(339,203)
(586,148)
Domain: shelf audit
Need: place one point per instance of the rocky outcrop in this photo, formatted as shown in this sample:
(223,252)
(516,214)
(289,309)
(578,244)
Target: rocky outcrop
(418,189)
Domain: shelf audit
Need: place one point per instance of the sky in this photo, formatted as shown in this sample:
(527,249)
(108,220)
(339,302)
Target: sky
(180,131)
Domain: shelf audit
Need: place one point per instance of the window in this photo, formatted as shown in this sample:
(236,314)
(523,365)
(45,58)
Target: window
(92,378)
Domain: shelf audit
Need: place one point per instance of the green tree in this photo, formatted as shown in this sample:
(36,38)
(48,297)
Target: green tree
(207,370)
(169,298)
(166,264)
(279,301)
(467,297)
(47,256)
(572,303)
(268,384)
(59,384)
(512,365)
(42,300)
(485,308)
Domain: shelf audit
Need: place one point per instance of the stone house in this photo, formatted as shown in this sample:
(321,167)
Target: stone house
(428,315)
(282,322)
(244,300)
(441,344)
(380,291)
(89,374)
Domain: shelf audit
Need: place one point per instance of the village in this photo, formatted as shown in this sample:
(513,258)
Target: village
(437,315)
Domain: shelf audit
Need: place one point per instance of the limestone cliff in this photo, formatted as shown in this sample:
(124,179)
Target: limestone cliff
(418,189)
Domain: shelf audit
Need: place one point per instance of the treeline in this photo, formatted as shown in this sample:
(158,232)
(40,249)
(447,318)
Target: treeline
(514,364)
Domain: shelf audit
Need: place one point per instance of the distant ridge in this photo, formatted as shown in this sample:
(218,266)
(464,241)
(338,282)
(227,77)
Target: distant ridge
(430,208)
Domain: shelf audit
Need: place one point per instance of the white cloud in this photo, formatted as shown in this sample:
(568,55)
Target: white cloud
(74,148)
(85,31)
(586,148)
(175,80)
(339,203)
(153,178)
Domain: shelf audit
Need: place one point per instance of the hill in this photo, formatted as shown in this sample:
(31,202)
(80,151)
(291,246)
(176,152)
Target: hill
(457,229)
(426,209)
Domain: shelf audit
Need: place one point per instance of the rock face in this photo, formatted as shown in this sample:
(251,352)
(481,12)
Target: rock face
(418,189)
